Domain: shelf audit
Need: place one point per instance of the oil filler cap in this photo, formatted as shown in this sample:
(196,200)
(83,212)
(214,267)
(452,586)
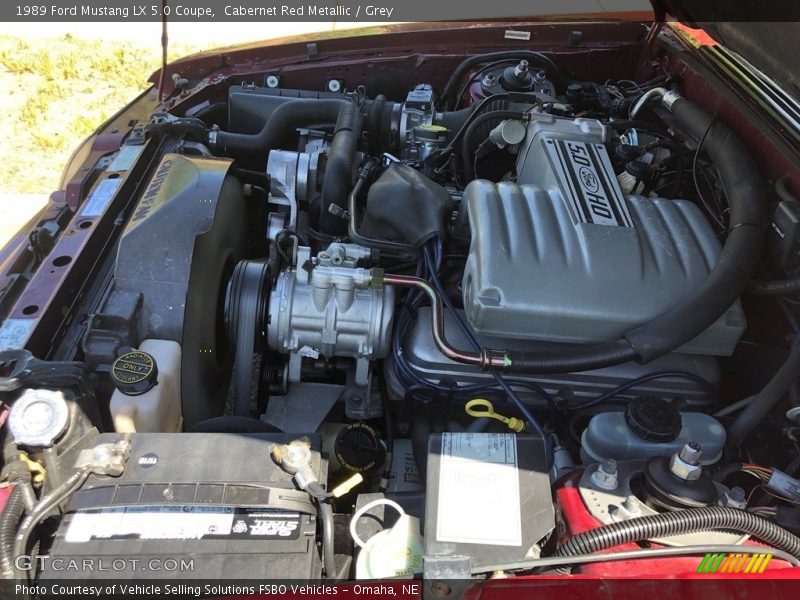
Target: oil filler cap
(358,448)
(653,419)
(134,372)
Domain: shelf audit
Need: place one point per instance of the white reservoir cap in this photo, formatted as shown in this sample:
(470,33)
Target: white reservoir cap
(38,417)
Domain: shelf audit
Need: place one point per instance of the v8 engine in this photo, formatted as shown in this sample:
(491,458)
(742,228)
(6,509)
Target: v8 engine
(374,332)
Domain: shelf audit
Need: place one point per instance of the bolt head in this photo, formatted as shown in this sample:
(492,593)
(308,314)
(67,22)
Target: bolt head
(691,453)
(605,476)
(734,498)
(685,470)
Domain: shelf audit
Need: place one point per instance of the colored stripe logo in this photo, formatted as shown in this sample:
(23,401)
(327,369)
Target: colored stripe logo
(720,562)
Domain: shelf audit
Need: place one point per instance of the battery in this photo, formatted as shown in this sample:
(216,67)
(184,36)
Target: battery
(191,506)
(488,500)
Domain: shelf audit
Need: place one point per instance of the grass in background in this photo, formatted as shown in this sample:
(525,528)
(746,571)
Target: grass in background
(57,91)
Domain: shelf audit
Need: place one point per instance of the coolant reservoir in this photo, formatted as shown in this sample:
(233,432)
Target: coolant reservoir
(147,398)
(393,552)
(650,427)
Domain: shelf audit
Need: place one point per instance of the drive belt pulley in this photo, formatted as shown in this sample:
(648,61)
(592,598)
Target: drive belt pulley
(246,307)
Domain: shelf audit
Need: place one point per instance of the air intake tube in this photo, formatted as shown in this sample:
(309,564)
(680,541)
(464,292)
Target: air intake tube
(282,123)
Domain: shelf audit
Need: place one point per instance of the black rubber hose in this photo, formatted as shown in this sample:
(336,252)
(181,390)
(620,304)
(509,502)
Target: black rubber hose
(745,192)
(328,554)
(723,285)
(338,179)
(572,359)
(374,121)
(767,398)
(328,527)
(708,518)
(282,123)
(454,120)
(776,287)
(12,513)
(533,57)
(468,143)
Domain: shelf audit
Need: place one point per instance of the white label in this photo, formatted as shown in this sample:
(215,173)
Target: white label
(14,333)
(183,522)
(100,197)
(512,34)
(588,183)
(151,523)
(479,490)
(124,159)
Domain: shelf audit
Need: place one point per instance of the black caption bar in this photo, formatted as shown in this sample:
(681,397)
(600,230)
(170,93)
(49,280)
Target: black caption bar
(319,11)
(392,10)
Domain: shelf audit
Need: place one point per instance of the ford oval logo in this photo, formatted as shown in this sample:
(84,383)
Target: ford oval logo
(589,179)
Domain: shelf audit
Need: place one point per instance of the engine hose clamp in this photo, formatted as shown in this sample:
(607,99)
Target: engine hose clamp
(494,359)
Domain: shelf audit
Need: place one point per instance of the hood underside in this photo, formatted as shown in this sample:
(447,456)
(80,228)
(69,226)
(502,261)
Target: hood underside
(764,33)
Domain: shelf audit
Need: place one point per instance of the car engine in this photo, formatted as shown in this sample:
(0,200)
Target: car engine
(501,323)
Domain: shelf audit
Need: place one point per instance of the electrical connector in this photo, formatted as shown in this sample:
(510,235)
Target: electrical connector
(784,485)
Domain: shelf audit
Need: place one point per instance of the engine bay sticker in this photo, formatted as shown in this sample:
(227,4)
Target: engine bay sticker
(124,159)
(479,490)
(587,182)
(100,197)
(14,333)
(183,522)
(512,34)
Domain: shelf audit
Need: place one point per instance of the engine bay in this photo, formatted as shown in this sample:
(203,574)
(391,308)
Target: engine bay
(499,320)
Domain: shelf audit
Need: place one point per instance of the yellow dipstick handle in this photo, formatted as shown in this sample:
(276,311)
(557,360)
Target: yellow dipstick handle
(480,407)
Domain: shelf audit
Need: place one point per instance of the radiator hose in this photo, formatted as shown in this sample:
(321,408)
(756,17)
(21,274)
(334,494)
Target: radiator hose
(338,178)
(767,398)
(708,518)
